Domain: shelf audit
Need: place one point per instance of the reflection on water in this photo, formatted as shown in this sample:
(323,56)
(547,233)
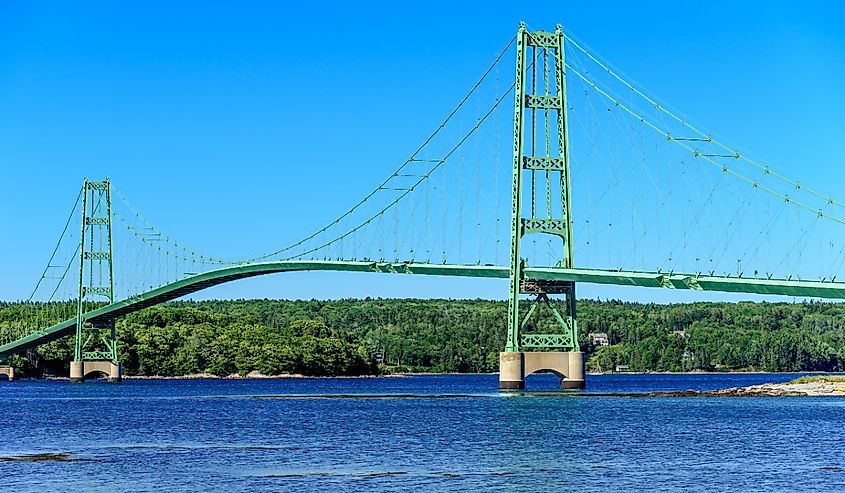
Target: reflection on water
(421,433)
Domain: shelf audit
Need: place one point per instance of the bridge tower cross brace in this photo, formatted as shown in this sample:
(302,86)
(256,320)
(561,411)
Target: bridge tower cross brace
(541,173)
(95,348)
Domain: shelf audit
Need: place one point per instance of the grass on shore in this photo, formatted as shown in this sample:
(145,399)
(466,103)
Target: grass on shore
(818,378)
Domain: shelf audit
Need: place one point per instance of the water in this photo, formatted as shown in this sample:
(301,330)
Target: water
(421,433)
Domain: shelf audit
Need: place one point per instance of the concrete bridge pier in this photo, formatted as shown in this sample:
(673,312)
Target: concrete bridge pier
(8,371)
(79,370)
(515,366)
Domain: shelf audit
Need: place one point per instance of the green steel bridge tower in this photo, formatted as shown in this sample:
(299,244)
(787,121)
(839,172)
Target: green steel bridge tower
(542,204)
(95,348)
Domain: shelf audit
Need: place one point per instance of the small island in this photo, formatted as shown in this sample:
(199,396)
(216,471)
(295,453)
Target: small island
(808,386)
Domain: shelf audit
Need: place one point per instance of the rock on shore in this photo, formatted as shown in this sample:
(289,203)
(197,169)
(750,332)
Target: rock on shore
(808,389)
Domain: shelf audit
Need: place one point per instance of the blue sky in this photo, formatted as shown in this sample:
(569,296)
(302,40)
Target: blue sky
(238,126)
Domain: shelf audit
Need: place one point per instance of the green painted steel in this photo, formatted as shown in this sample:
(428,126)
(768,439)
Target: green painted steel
(804,289)
(95,339)
(515,274)
(553,162)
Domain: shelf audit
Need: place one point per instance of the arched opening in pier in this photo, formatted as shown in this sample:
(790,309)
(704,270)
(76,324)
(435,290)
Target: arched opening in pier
(543,380)
(96,375)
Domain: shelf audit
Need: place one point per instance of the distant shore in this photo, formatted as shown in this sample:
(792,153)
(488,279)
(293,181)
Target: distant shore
(260,376)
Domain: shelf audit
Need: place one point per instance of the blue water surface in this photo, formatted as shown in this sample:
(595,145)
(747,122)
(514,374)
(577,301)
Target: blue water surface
(417,433)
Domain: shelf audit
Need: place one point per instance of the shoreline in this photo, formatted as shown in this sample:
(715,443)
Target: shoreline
(261,376)
(824,385)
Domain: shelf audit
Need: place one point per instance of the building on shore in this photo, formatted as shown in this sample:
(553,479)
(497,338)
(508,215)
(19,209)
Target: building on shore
(599,339)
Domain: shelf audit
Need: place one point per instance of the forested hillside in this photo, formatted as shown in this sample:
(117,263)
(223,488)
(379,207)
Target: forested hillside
(349,337)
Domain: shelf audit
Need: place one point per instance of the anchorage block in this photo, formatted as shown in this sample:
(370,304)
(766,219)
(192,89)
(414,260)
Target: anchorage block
(8,371)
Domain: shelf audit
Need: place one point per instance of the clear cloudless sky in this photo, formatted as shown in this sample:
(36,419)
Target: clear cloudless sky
(237,126)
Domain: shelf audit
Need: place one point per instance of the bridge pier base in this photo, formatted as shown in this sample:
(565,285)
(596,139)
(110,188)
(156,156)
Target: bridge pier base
(515,366)
(8,371)
(81,369)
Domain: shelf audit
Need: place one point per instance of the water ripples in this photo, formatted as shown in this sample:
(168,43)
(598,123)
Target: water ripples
(439,433)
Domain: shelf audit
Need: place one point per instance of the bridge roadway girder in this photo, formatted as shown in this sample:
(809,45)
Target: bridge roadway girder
(189,285)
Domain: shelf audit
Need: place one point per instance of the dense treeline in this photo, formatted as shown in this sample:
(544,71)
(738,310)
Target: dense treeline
(718,336)
(355,337)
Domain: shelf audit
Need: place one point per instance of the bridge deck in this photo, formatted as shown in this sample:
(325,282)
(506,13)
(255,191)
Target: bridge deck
(810,289)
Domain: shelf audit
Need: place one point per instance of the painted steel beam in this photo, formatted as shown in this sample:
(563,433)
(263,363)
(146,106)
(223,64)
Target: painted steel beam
(172,291)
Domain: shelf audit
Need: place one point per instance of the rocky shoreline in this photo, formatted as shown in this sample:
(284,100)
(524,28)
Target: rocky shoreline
(813,388)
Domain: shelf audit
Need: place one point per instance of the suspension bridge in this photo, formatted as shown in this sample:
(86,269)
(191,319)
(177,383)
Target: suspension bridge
(593,168)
